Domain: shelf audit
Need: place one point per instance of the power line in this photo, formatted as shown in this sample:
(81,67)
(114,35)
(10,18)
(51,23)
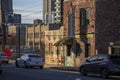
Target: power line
(32,6)
(32,14)
(21,10)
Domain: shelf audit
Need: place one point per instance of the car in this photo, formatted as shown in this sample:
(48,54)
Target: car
(102,64)
(0,66)
(30,60)
(4,57)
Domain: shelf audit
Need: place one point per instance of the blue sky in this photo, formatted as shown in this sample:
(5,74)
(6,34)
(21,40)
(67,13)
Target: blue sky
(29,9)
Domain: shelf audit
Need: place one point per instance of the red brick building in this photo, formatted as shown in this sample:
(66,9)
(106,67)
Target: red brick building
(94,24)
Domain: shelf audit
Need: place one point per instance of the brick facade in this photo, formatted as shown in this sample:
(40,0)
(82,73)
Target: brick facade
(103,22)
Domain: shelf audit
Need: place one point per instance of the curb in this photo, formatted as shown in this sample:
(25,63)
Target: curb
(62,68)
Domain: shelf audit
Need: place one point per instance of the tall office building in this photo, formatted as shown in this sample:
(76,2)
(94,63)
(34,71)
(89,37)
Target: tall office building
(7,8)
(52,11)
(16,19)
(48,11)
(59,11)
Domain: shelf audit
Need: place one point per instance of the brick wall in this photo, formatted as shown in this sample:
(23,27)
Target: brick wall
(107,23)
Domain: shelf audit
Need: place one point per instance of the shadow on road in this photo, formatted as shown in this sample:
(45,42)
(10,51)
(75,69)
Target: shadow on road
(110,78)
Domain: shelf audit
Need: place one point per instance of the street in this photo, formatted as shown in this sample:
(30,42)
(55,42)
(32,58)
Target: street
(10,72)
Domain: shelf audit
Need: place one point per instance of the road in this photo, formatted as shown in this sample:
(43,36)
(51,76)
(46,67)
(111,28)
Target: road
(10,72)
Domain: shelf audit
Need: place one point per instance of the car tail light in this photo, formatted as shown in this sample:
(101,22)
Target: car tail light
(110,62)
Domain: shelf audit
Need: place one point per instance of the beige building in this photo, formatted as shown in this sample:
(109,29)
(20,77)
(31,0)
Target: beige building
(94,25)
(13,32)
(54,54)
(18,35)
(35,37)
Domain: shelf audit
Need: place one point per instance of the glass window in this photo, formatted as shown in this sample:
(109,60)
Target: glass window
(87,49)
(54,35)
(84,17)
(101,57)
(68,50)
(49,36)
(35,56)
(93,58)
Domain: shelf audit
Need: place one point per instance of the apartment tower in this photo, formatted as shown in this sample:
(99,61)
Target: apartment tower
(48,11)
(7,8)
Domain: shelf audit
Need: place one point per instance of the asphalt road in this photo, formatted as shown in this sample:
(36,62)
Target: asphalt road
(10,72)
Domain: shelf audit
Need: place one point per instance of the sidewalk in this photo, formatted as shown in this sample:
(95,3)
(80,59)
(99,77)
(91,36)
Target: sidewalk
(62,67)
(55,66)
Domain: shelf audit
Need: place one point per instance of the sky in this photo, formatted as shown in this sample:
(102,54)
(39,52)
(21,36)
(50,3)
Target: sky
(29,9)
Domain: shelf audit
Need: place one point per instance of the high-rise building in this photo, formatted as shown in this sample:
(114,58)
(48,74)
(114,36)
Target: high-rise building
(16,19)
(48,11)
(52,11)
(59,11)
(6,7)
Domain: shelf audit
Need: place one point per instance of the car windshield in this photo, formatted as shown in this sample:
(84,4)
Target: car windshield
(35,56)
(115,59)
(2,55)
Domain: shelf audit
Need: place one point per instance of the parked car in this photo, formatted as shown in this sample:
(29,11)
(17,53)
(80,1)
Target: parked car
(4,57)
(30,60)
(103,64)
(0,66)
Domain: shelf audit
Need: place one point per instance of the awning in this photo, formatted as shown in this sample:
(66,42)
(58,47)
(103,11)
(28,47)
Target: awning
(64,41)
(57,43)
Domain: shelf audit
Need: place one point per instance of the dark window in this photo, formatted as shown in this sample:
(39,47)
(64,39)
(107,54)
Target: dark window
(54,35)
(101,57)
(35,56)
(87,50)
(78,49)
(68,50)
(36,35)
(58,51)
(84,17)
(49,35)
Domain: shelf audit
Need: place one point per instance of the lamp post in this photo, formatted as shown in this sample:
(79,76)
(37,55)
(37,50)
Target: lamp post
(19,41)
(2,20)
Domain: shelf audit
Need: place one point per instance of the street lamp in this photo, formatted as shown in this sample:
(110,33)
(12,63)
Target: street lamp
(19,40)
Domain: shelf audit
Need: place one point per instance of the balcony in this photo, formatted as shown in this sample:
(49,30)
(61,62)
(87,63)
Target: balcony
(58,6)
(57,2)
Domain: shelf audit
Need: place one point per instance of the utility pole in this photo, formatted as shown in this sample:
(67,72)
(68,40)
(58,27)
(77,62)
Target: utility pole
(3,25)
(19,40)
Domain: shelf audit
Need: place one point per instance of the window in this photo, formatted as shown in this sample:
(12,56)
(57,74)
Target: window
(30,35)
(42,34)
(54,35)
(35,56)
(93,58)
(87,49)
(58,51)
(101,57)
(68,50)
(84,17)
(78,49)
(49,36)
(36,35)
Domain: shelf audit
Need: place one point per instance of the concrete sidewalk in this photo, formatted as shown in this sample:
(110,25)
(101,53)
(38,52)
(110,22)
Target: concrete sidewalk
(67,68)
(55,66)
